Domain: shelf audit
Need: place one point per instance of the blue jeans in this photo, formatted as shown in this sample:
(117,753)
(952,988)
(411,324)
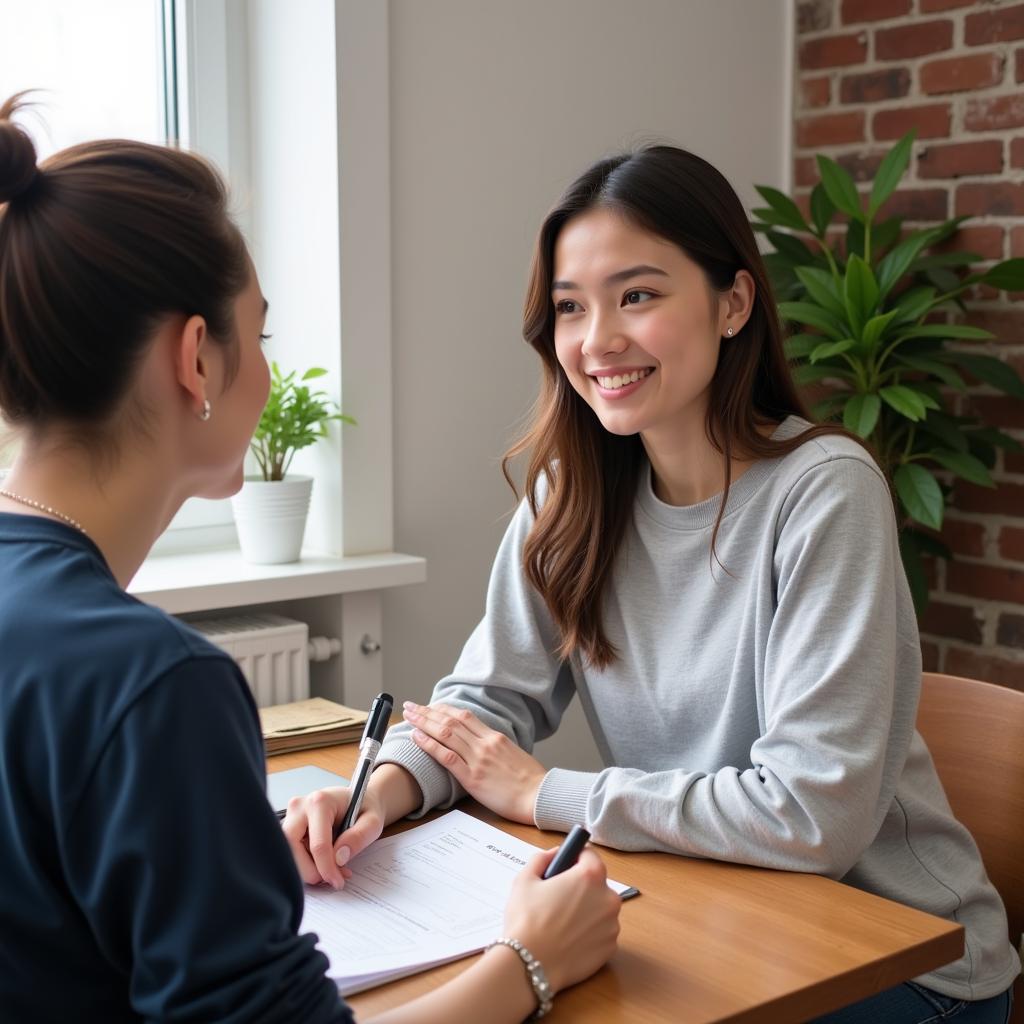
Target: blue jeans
(913,1004)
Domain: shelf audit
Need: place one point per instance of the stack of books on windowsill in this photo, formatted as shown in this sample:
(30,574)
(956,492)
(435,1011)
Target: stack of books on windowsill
(310,723)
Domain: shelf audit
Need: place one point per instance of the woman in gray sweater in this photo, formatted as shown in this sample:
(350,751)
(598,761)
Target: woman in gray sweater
(717,579)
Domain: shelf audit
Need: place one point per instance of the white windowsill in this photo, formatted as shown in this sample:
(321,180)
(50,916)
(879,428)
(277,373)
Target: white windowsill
(206,580)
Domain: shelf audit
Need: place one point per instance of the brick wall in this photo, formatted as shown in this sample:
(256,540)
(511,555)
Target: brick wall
(867,71)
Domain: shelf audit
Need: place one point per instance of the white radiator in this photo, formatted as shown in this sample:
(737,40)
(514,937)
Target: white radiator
(272,651)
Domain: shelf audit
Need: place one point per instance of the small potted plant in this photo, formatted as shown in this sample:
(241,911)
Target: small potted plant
(270,509)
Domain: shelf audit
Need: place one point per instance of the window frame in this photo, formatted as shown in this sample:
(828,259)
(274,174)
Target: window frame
(199,67)
(230,56)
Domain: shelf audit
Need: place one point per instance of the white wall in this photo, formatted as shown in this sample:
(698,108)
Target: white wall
(317,182)
(495,107)
(294,181)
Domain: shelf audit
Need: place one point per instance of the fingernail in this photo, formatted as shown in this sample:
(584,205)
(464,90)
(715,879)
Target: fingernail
(342,855)
(417,735)
(409,704)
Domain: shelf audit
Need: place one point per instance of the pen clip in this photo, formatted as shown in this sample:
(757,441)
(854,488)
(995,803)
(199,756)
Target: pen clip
(380,713)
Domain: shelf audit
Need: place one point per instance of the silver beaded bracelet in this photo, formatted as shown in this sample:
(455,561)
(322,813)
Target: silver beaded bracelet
(535,972)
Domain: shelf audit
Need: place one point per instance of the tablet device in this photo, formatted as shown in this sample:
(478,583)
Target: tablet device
(282,786)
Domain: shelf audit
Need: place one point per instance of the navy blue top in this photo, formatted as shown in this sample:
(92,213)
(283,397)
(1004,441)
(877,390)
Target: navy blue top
(143,874)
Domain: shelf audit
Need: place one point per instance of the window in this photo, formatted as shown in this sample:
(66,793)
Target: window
(99,69)
(100,72)
(291,103)
(107,70)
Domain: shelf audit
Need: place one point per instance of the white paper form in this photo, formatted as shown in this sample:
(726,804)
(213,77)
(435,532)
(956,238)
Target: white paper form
(434,893)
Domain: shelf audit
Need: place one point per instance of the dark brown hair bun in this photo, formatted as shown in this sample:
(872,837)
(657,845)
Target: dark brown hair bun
(110,239)
(18,169)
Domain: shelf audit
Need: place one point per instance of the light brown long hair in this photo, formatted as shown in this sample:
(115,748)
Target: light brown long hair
(592,474)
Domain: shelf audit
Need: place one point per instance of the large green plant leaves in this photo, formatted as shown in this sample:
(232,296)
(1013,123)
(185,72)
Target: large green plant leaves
(875,328)
(945,429)
(863,302)
(888,175)
(1009,275)
(885,235)
(810,374)
(923,364)
(821,286)
(990,370)
(917,578)
(920,493)
(959,258)
(799,345)
(785,211)
(963,331)
(996,438)
(906,401)
(896,263)
(831,348)
(914,303)
(822,208)
(815,316)
(861,414)
(965,465)
(860,294)
(840,187)
(792,248)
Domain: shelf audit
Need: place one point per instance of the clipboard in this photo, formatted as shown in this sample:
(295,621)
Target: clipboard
(301,781)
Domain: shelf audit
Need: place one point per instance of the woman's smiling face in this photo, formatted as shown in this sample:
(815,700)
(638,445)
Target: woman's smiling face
(637,325)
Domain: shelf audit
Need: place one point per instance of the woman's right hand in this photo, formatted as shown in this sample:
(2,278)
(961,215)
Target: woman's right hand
(392,793)
(570,923)
(308,826)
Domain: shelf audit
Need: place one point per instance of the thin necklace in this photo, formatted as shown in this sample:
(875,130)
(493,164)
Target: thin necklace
(44,508)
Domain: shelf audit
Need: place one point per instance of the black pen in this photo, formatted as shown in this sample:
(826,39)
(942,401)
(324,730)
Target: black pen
(569,852)
(369,748)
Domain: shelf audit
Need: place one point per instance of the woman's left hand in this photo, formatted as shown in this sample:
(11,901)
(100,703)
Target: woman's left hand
(490,766)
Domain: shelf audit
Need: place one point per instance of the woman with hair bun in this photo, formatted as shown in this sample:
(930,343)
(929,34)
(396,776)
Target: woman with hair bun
(716,578)
(145,876)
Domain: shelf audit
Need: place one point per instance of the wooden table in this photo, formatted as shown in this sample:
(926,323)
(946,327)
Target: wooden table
(708,941)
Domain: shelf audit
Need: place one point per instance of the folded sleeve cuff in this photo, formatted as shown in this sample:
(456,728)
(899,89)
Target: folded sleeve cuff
(562,799)
(438,787)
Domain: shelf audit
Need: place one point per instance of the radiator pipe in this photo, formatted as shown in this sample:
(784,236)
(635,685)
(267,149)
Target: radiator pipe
(323,648)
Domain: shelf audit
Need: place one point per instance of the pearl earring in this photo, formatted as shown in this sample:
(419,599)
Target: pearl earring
(205,414)
(729,331)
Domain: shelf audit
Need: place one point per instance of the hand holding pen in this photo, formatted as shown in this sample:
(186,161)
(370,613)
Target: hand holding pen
(355,815)
(369,748)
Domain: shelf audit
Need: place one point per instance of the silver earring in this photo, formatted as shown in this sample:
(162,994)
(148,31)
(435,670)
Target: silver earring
(205,414)
(729,331)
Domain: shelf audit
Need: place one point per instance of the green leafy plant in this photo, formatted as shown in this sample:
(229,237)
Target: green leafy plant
(294,417)
(867,305)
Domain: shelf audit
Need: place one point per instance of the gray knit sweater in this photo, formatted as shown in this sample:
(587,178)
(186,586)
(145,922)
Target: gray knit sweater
(764,716)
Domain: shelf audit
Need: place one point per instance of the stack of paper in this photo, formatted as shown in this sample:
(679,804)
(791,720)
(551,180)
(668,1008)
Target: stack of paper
(427,896)
(309,723)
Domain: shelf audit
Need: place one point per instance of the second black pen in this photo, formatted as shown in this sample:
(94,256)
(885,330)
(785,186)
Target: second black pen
(569,852)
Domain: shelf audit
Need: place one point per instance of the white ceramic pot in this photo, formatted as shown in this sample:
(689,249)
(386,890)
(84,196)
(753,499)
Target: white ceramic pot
(271,518)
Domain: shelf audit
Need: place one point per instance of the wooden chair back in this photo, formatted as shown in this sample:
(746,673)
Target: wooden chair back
(975,733)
